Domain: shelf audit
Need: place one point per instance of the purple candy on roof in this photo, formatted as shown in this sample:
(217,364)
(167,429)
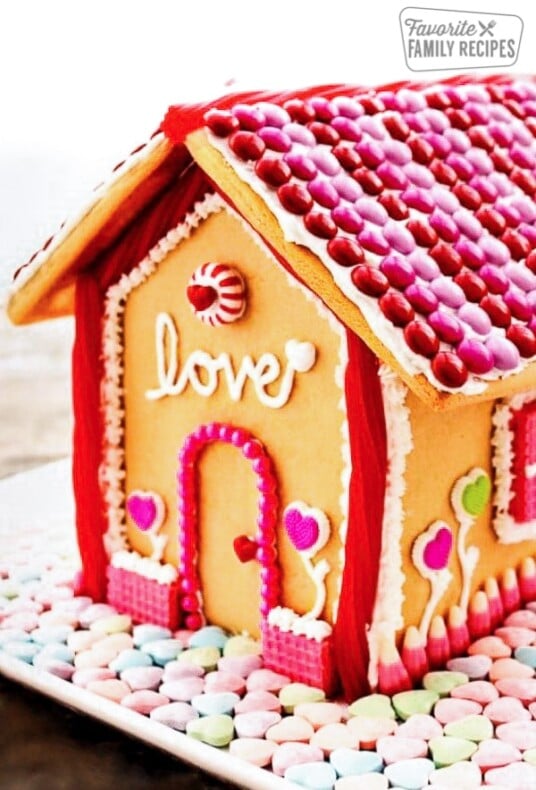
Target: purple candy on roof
(426,198)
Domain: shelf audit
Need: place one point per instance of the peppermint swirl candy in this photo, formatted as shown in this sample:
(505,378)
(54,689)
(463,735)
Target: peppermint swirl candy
(217,294)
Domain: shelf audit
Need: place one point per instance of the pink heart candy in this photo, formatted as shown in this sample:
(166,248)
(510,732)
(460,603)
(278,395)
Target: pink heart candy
(436,553)
(302,530)
(145,509)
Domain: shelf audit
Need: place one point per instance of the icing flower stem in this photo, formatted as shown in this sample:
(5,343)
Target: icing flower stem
(317,573)
(439,585)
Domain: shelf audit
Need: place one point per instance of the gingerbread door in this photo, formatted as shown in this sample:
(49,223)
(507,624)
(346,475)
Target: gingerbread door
(227,537)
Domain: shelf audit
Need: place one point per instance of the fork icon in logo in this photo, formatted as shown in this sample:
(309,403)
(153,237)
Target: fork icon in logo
(487,28)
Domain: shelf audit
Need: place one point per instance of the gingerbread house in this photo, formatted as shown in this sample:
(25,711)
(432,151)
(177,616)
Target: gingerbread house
(303,372)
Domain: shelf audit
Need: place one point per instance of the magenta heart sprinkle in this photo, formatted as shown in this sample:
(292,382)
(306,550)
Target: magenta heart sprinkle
(437,551)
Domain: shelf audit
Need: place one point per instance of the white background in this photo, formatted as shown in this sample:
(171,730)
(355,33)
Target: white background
(81,84)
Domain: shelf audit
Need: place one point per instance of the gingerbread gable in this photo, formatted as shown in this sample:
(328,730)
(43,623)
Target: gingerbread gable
(407,209)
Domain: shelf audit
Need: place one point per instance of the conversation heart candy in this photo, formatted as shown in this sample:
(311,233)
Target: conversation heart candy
(267,680)
(352,762)
(205,657)
(490,646)
(392,748)
(219,680)
(176,670)
(209,636)
(214,703)
(147,632)
(464,775)
(421,725)
(521,776)
(314,776)
(240,665)
(216,730)
(481,691)
(256,723)
(241,646)
(320,713)
(130,658)
(368,731)
(506,709)
(515,637)
(144,701)
(443,682)
(471,728)
(291,728)
(112,689)
(294,753)
(509,668)
(494,754)
(447,750)
(258,700)
(476,666)
(407,703)
(175,715)
(363,782)
(334,736)
(139,678)
(372,706)
(162,651)
(256,751)
(527,654)
(112,624)
(183,689)
(521,734)
(297,693)
(411,774)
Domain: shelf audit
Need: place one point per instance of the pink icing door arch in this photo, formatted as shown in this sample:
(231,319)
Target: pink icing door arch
(263,544)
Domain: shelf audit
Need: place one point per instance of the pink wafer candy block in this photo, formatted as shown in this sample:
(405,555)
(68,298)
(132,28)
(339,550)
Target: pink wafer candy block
(494,754)
(447,710)
(256,751)
(509,668)
(506,709)
(481,691)
(521,734)
(287,754)
(490,646)
(522,688)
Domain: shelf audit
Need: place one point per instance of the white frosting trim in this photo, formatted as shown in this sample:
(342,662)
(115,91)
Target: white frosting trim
(507,529)
(28,271)
(294,231)
(387,615)
(144,566)
(112,472)
(287,620)
(468,556)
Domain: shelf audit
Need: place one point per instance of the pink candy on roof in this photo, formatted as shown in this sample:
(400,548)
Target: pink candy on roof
(426,195)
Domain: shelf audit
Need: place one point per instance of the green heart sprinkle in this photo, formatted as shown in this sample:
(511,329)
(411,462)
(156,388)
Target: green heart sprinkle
(475,496)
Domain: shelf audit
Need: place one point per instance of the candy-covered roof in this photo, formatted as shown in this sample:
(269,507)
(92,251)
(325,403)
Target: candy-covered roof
(409,209)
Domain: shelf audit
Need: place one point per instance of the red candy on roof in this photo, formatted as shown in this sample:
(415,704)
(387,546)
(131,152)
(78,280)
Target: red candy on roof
(426,194)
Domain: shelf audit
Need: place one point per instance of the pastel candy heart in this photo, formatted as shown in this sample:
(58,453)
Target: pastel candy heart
(521,776)
(58,651)
(54,666)
(369,730)
(255,724)
(443,682)
(515,637)
(393,748)
(522,618)
(372,706)
(113,624)
(176,670)
(146,509)
(521,734)
(351,762)
(163,650)
(527,655)
(175,715)
(256,751)
(142,677)
(436,552)
(211,704)
(267,680)
(447,750)
(82,677)
(481,691)
(294,753)
(475,495)
(450,709)
(530,756)
(314,776)
(95,612)
(421,725)
(242,646)
(258,700)
(510,668)
(291,728)
(240,665)
(216,730)
(464,775)
(147,632)
(363,782)
(411,774)
(115,642)
(144,701)
(334,736)
(495,754)
(320,713)
(112,689)
(522,688)
(407,703)
(476,667)
(14,635)
(472,728)
(506,709)
(130,658)
(82,640)
(296,693)
(490,646)
(209,636)
(224,681)
(183,689)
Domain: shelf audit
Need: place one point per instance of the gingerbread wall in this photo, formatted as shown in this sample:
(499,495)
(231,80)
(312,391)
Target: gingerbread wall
(303,437)
(446,448)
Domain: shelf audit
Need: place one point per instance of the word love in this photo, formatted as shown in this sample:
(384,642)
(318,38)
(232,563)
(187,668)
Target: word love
(203,372)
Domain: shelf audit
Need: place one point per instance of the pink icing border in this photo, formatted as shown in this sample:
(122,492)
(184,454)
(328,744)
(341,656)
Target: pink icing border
(268,501)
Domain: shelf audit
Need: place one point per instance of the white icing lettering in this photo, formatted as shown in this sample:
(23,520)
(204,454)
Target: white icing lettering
(201,370)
